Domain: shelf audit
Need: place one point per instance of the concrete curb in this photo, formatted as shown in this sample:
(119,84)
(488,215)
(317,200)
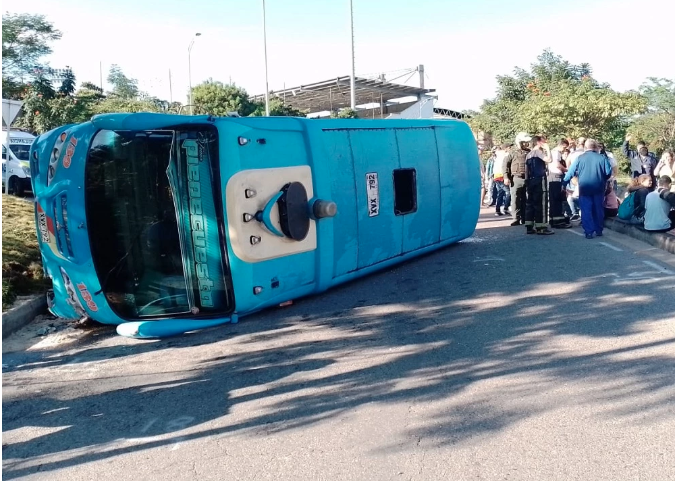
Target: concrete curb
(22,314)
(662,241)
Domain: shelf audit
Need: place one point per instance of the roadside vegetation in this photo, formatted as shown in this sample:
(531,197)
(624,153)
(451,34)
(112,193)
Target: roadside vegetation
(21,263)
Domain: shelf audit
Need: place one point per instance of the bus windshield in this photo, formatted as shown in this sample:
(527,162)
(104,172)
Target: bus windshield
(140,243)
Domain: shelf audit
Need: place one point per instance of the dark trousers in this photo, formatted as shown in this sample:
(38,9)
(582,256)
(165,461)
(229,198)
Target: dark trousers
(556,209)
(536,204)
(503,196)
(592,213)
(518,198)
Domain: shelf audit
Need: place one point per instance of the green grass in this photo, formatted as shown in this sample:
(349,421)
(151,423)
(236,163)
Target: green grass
(21,263)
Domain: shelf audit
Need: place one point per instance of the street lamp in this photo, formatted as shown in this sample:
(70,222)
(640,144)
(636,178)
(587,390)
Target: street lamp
(190,68)
(353,76)
(267,90)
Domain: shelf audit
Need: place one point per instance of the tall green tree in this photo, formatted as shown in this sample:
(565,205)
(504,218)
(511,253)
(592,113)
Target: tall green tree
(68,84)
(218,99)
(657,125)
(558,99)
(25,40)
(122,86)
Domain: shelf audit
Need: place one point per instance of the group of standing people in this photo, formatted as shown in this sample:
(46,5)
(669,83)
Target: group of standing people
(545,188)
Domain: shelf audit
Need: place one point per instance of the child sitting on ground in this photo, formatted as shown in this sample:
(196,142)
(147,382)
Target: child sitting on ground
(572,191)
(611,203)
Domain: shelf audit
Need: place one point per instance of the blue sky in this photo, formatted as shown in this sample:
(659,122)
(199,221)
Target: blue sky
(462,44)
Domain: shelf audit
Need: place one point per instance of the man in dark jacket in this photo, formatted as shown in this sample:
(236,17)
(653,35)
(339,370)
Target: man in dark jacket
(592,171)
(536,183)
(514,171)
(641,160)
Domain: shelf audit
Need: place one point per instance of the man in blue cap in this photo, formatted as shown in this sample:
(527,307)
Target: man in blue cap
(592,170)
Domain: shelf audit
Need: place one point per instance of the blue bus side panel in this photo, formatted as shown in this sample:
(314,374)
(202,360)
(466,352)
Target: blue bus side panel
(417,150)
(284,145)
(341,168)
(458,160)
(380,236)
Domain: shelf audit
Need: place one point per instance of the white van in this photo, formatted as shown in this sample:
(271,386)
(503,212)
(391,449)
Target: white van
(15,161)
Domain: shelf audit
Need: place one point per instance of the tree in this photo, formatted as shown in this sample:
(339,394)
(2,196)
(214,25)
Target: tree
(347,113)
(90,92)
(558,99)
(577,108)
(25,39)
(657,125)
(68,84)
(218,99)
(117,104)
(277,109)
(12,89)
(123,86)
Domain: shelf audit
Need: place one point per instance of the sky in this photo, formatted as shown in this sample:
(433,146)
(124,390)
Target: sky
(462,44)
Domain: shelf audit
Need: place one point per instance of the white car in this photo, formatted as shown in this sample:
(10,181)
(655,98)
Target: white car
(16,161)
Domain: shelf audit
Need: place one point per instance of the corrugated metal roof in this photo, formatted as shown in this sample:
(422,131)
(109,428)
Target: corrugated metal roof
(336,94)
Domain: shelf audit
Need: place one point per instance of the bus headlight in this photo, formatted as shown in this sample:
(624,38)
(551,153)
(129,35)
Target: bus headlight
(26,171)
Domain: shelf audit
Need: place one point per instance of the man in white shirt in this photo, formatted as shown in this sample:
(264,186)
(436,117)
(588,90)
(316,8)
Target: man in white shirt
(556,172)
(574,155)
(612,161)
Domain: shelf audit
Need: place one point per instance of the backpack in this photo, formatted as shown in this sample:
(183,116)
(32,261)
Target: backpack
(627,207)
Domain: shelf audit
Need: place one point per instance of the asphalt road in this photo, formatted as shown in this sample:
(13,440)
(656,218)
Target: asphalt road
(506,356)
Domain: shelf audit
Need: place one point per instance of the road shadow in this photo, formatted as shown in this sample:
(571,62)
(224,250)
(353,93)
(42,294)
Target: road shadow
(499,305)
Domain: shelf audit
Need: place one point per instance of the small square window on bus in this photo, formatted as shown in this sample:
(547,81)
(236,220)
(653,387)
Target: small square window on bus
(405,191)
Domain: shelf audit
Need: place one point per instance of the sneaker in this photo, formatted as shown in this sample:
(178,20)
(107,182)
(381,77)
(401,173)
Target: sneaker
(491,205)
(562,225)
(576,217)
(507,212)
(499,213)
(545,231)
(517,222)
(598,233)
(589,235)
(530,230)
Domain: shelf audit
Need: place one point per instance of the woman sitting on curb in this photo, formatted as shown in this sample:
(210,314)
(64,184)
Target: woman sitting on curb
(659,218)
(641,187)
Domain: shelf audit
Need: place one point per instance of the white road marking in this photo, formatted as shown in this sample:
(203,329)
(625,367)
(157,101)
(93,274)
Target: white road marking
(610,246)
(148,425)
(661,269)
(575,232)
(488,258)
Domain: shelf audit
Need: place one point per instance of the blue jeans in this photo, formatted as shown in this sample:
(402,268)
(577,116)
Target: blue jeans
(503,196)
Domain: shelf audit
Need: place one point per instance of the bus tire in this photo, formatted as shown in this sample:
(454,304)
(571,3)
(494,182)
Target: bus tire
(15,186)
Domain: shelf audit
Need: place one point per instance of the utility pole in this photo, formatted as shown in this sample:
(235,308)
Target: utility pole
(353,78)
(190,69)
(100,74)
(267,90)
(170,88)
(420,69)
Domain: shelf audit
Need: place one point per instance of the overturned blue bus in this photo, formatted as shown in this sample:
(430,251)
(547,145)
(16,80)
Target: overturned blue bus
(163,224)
